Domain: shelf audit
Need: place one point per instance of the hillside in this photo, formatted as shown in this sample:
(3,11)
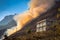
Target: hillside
(29,30)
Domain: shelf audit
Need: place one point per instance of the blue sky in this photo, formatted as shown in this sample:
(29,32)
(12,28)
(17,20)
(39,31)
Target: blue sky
(10,7)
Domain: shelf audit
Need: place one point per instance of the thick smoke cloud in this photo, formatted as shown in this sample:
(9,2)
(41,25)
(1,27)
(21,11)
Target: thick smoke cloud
(36,7)
(40,6)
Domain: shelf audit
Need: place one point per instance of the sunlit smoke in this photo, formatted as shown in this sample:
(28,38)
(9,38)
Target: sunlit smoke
(36,7)
(40,6)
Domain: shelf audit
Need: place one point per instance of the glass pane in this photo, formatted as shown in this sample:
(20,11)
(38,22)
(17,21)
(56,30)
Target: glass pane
(41,25)
(44,28)
(41,29)
(44,23)
(38,25)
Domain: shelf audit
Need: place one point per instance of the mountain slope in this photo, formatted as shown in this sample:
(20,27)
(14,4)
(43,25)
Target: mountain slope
(7,22)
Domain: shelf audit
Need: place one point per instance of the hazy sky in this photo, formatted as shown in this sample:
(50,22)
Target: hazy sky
(9,7)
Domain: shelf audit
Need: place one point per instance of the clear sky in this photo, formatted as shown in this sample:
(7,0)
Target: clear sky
(10,7)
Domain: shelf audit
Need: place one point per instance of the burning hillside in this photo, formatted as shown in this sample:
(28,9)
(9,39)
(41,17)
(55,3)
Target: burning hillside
(37,7)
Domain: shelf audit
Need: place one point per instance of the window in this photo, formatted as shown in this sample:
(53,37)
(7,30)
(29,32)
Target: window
(41,26)
(44,23)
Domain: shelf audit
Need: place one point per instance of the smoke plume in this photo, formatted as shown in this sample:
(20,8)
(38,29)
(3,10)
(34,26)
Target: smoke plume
(36,7)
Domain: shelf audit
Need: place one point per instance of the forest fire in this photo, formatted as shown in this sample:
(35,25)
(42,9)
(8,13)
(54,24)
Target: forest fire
(36,8)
